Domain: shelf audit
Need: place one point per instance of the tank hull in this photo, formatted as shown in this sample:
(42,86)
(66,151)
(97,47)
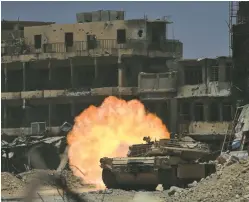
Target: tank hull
(147,172)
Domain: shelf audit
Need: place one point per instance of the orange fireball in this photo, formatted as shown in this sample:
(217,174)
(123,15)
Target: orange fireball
(108,130)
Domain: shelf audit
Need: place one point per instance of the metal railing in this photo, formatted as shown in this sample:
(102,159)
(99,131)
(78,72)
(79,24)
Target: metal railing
(21,48)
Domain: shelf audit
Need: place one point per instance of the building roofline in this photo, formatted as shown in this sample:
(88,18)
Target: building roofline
(150,20)
(25,22)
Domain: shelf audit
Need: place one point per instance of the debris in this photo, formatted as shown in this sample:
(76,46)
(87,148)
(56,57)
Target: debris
(72,181)
(173,190)
(230,183)
(192,184)
(10,183)
(159,187)
(21,153)
(231,160)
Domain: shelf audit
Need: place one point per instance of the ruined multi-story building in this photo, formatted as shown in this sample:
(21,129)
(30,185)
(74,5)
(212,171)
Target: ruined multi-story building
(51,72)
(240,47)
(196,95)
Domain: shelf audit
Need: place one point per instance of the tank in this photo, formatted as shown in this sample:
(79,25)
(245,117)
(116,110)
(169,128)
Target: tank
(170,162)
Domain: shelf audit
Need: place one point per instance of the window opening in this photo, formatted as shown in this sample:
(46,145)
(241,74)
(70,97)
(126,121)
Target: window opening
(199,112)
(228,73)
(91,42)
(38,41)
(214,112)
(227,112)
(69,39)
(185,111)
(121,36)
(140,33)
(193,75)
(214,73)
(155,36)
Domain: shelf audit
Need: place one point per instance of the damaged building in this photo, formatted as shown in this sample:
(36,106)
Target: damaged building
(62,69)
(240,49)
(200,97)
(51,72)
(197,96)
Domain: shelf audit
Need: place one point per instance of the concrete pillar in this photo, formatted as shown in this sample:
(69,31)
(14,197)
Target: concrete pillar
(96,81)
(72,73)
(73,109)
(222,70)
(206,111)
(221,111)
(96,70)
(173,104)
(24,76)
(5,116)
(50,115)
(5,77)
(50,75)
(181,75)
(158,109)
(192,111)
(24,84)
(120,75)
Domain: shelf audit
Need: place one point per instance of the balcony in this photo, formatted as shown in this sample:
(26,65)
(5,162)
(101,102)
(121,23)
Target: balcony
(19,47)
(157,85)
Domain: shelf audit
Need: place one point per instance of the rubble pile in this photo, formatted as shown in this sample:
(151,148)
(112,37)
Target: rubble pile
(72,180)
(10,183)
(229,183)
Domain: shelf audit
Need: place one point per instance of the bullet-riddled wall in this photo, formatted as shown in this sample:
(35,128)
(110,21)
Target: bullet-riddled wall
(55,33)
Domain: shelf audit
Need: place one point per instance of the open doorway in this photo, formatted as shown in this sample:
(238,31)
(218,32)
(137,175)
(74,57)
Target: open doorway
(38,41)
(121,36)
(69,41)
(199,112)
(91,42)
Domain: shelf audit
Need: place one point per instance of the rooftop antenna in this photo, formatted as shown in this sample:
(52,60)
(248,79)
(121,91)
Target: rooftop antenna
(18,22)
(173,42)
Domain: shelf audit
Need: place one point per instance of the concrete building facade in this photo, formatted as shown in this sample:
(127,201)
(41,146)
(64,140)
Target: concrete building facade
(55,71)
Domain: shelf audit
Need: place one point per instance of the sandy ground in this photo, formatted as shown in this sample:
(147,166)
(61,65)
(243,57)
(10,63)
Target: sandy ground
(16,185)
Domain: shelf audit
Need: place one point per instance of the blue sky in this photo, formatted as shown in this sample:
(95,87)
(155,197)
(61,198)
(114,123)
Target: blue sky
(201,26)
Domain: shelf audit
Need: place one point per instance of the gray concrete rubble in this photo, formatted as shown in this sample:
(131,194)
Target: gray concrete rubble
(229,183)
(19,154)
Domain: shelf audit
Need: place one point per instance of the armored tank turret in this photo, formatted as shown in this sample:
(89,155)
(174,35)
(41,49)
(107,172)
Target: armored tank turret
(167,161)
